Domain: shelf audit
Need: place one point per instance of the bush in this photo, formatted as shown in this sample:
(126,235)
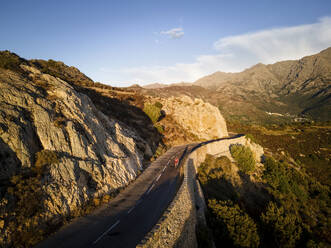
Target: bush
(212,168)
(283,226)
(153,112)
(159,128)
(234,224)
(284,179)
(251,137)
(158,105)
(244,157)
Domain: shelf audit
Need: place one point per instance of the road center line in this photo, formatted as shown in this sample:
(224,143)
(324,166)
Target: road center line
(129,211)
(150,189)
(157,179)
(107,231)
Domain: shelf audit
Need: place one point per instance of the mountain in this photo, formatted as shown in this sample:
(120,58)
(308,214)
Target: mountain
(160,86)
(288,88)
(155,86)
(58,150)
(68,143)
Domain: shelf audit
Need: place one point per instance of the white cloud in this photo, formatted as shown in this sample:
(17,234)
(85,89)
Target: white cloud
(235,53)
(174,33)
(269,46)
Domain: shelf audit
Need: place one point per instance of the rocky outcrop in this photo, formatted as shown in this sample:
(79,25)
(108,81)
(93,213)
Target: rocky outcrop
(95,155)
(196,116)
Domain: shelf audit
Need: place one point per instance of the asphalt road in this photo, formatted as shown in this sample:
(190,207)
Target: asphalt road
(126,220)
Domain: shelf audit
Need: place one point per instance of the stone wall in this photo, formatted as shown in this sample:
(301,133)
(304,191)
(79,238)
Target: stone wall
(176,228)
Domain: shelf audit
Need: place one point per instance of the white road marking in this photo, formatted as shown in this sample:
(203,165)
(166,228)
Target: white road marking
(150,189)
(157,179)
(164,168)
(107,231)
(130,210)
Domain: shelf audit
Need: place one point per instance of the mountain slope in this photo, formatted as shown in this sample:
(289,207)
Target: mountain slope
(68,144)
(298,87)
(61,153)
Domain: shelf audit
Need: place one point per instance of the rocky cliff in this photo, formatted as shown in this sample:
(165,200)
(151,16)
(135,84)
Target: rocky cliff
(68,144)
(58,152)
(200,118)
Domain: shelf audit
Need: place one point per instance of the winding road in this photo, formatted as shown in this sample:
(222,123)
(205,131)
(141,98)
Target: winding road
(125,221)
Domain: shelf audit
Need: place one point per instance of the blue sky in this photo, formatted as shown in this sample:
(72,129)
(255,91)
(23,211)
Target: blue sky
(138,41)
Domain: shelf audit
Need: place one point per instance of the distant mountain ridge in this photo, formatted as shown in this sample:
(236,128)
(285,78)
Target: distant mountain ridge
(160,86)
(298,87)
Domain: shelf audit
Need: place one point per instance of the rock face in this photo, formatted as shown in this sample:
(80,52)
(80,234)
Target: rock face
(68,143)
(96,155)
(198,117)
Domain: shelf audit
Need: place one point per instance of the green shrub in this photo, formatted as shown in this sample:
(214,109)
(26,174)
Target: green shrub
(284,179)
(159,128)
(153,112)
(158,105)
(244,157)
(214,174)
(283,226)
(234,224)
(251,137)
(160,150)
(211,168)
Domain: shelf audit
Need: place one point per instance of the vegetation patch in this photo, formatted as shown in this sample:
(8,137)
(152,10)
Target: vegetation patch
(60,70)
(244,157)
(309,145)
(293,210)
(153,111)
(159,127)
(233,225)
(161,149)
(27,223)
(283,226)
(300,212)
(11,61)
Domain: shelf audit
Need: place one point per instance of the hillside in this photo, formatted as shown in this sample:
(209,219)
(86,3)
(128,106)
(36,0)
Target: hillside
(59,154)
(160,86)
(285,89)
(270,204)
(68,144)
